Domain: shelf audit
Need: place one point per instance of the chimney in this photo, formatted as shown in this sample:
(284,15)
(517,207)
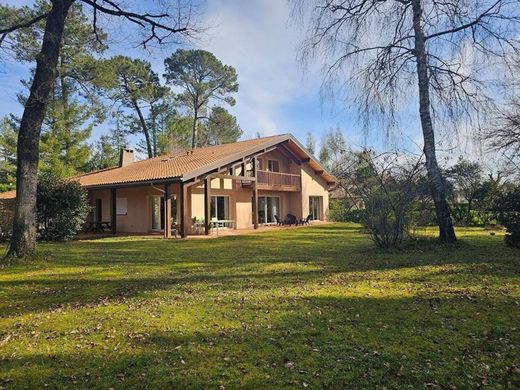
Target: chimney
(126,157)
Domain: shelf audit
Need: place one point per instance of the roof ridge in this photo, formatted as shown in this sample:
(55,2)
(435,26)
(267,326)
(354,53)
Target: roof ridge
(92,172)
(186,151)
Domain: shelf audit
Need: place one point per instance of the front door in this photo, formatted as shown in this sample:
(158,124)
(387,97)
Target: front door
(157,212)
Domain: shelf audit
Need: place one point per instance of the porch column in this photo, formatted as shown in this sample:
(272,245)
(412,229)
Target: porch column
(255,193)
(182,208)
(113,210)
(207,205)
(167,210)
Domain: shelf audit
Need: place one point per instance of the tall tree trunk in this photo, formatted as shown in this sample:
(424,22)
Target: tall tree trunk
(194,128)
(144,127)
(23,241)
(446,231)
(153,115)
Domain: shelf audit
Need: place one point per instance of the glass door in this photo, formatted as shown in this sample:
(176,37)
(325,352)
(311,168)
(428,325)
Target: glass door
(268,207)
(220,207)
(273,208)
(157,212)
(315,207)
(262,218)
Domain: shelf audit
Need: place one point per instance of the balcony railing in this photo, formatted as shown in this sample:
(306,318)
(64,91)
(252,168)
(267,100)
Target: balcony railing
(277,180)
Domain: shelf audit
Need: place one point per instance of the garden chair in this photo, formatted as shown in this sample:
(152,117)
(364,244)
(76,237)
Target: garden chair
(306,221)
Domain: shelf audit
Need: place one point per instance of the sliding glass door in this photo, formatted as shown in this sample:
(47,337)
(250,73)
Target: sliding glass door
(157,212)
(220,208)
(268,207)
(315,207)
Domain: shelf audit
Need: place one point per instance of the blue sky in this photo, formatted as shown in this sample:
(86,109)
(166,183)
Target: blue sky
(276,95)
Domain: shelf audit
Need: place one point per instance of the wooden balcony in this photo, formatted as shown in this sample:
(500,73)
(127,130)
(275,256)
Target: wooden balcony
(277,181)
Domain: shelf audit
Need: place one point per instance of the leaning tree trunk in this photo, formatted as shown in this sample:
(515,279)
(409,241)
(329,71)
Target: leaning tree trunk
(446,231)
(23,241)
(146,132)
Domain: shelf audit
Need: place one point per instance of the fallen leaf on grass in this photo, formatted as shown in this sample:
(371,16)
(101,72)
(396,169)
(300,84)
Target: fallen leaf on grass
(5,340)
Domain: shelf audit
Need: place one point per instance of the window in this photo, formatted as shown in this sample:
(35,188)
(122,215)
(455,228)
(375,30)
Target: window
(174,209)
(98,211)
(273,166)
(121,206)
(219,208)
(315,207)
(157,207)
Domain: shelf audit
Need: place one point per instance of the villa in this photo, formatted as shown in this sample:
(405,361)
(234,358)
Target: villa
(239,185)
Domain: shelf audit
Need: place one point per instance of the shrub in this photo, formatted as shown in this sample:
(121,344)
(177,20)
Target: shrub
(389,187)
(341,210)
(62,208)
(507,207)
(6,218)
(385,216)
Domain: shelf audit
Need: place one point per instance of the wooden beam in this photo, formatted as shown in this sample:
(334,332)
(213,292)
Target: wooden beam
(243,167)
(207,205)
(113,210)
(221,176)
(182,209)
(260,152)
(284,149)
(167,211)
(255,194)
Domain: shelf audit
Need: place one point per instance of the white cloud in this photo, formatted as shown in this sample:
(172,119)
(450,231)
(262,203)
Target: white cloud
(257,39)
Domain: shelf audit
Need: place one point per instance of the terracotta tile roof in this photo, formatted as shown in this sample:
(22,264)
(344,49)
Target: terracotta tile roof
(8,195)
(176,165)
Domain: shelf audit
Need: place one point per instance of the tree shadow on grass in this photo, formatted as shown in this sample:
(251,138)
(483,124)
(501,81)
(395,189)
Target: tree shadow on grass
(312,341)
(82,273)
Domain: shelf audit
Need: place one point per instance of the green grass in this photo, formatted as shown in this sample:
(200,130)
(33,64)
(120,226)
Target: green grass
(316,307)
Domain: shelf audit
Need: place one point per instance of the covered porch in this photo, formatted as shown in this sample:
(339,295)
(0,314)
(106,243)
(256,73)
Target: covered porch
(178,207)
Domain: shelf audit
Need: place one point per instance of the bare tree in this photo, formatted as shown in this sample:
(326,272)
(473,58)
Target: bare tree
(157,27)
(451,50)
(504,134)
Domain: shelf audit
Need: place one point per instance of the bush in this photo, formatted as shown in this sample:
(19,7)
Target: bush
(385,217)
(62,208)
(507,207)
(340,210)
(6,218)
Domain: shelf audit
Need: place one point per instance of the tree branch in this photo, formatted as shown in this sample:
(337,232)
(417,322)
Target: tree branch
(5,31)
(464,26)
(143,20)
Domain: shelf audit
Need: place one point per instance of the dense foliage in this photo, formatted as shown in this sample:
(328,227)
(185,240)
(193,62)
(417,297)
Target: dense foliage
(8,138)
(62,208)
(508,208)
(204,80)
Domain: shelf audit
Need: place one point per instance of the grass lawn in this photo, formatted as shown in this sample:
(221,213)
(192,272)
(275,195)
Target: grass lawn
(316,307)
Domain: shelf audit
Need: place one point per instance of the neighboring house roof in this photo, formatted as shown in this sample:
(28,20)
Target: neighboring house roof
(190,164)
(8,195)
